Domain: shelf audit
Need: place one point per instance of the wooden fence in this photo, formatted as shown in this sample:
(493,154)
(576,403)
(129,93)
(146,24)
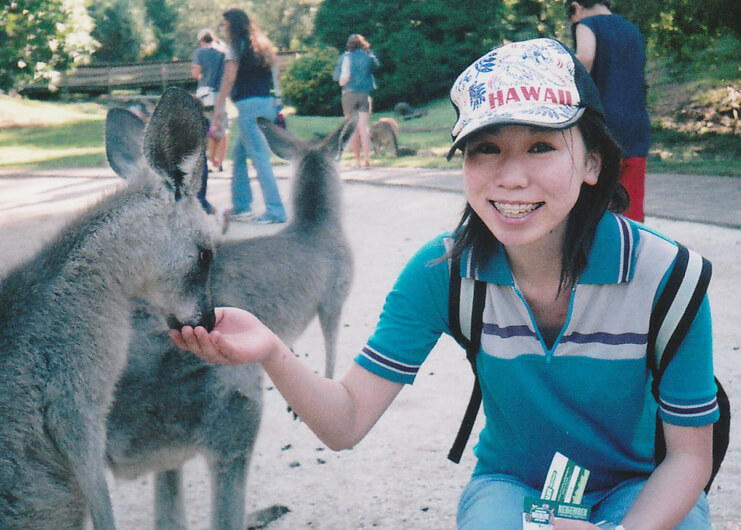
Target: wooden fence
(96,80)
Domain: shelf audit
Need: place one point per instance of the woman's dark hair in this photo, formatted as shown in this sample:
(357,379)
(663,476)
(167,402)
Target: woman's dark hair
(586,4)
(593,201)
(247,39)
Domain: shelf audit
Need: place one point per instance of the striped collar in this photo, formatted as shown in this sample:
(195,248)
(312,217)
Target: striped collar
(611,259)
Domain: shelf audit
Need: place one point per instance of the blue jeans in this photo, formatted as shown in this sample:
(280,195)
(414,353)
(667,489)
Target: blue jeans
(251,142)
(495,501)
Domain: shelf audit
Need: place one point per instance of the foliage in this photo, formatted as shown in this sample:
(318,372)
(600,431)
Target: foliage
(424,45)
(288,23)
(163,15)
(167,29)
(679,29)
(307,84)
(39,38)
(119,28)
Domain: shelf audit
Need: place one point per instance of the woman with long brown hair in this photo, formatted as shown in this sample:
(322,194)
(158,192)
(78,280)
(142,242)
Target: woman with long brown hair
(248,80)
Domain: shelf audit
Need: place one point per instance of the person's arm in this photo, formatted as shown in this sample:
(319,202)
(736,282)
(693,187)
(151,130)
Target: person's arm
(345,71)
(227,83)
(195,71)
(276,80)
(673,488)
(586,46)
(339,412)
(376,63)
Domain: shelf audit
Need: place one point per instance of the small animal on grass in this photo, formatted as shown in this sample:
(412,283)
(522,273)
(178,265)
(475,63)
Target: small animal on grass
(385,132)
(406,111)
(170,405)
(65,316)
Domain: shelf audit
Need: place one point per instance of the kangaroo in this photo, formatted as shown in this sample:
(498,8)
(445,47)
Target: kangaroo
(385,132)
(170,405)
(406,111)
(65,316)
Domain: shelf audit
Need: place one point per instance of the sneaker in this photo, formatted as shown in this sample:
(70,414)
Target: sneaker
(267,219)
(245,217)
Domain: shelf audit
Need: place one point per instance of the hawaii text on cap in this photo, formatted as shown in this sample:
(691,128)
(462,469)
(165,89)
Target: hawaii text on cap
(536,82)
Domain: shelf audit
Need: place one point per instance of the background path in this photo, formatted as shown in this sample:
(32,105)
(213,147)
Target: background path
(398,477)
(706,199)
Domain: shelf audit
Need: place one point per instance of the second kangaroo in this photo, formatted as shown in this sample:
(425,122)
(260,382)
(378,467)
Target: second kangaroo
(170,405)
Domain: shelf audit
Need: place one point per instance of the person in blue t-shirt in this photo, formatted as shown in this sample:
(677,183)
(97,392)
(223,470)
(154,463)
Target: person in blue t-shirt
(614,53)
(570,287)
(207,66)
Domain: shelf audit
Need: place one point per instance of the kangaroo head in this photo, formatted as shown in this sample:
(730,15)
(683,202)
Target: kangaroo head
(167,237)
(316,185)
(288,147)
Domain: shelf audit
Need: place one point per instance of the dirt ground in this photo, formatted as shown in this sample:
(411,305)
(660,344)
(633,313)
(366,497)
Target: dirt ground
(398,477)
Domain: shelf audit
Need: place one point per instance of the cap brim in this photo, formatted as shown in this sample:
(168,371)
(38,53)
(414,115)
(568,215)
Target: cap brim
(549,117)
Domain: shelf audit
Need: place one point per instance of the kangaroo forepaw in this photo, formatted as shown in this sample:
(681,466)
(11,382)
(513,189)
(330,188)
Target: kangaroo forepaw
(261,518)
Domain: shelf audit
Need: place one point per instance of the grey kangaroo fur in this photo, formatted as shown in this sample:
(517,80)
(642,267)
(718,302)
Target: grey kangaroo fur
(65,316)
(170,405)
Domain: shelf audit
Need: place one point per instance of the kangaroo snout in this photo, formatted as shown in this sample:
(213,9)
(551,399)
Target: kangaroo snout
(208,321)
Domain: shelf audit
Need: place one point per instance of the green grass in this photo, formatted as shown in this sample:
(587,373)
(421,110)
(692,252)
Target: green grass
(429,135)
(710,153)
(43,135)
(71,144)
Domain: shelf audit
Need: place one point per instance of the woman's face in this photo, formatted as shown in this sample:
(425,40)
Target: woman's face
(226,28)
(523,181)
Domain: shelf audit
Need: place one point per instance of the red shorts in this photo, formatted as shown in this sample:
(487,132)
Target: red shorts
(633,177)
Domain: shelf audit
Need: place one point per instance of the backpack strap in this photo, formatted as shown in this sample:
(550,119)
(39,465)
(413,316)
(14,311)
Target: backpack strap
(675,310)
(670,321)
(466,300)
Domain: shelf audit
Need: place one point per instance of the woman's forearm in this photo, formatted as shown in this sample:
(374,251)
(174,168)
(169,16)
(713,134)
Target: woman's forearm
(675,486)
(341,412)
(227,83)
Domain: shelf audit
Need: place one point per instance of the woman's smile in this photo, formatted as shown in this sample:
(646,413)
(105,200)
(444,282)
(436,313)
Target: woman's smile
(515,210)
(523,181)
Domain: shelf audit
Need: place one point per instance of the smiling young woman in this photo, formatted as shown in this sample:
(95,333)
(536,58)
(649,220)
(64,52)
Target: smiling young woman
(570,287)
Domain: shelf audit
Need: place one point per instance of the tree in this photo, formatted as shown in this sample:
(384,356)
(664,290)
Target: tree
(163,16)
(119,32)
(307,84)
(422,45)
(288,23)
(40,38)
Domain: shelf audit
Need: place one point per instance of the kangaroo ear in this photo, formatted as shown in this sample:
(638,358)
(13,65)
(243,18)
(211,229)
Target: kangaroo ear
(281,142)
(335,143)
(124,134)
(175,139)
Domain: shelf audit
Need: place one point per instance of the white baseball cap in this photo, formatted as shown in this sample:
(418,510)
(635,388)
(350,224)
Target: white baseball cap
(536,82)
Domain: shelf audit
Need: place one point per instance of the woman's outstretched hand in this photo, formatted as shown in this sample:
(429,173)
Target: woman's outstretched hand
(237,338)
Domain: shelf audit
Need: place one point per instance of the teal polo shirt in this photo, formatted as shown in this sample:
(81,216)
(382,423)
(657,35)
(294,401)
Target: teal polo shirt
(588,396)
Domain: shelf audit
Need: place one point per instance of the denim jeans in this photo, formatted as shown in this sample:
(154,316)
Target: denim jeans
(251,142)
(495,501)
